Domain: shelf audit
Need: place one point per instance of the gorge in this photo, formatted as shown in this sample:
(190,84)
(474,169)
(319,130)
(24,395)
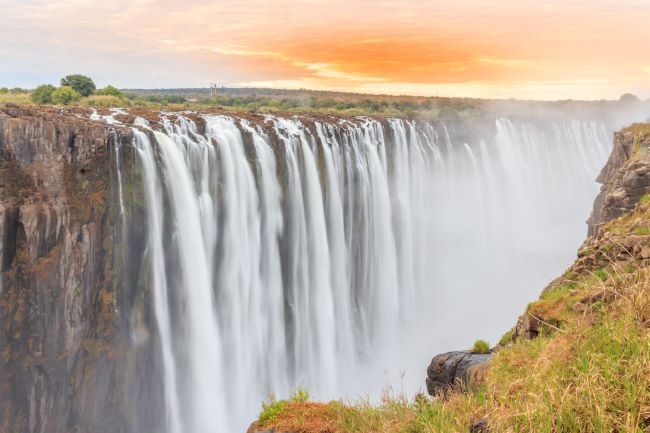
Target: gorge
(169,271)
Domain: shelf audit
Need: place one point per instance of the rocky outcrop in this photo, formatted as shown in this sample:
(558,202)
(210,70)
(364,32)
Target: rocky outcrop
(66,305)
(452,369)
(625,178)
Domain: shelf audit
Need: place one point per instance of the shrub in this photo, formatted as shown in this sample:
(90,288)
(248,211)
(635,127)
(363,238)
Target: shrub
(3,90)
(18,90)
(109,91)
(43,94)
(481,346)
(102,101)
(65,95)
(80,83)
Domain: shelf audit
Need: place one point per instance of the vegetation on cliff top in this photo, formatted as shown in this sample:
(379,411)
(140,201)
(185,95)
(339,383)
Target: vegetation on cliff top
(588,370)
(277,101)
(343,104)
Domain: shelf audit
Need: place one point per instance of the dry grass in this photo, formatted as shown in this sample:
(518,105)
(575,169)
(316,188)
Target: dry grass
(15,98)
(592,377)
(103,101)
(395,413)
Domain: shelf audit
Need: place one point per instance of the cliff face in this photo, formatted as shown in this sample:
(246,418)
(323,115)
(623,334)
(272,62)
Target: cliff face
(625,177)
(65,306)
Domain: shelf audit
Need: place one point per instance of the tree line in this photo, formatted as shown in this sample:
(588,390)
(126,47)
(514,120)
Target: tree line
(72,88)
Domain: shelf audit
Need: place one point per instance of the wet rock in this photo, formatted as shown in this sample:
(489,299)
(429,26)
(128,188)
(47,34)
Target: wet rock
(450,369)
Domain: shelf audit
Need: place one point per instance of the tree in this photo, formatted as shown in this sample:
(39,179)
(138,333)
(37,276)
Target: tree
(628,98)
(3,90)
(65,95)
(110,91)
(43,94)
(80,83)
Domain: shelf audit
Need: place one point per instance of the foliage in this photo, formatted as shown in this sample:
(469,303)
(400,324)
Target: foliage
(65,95)
(43,94)
(18,90)
(109,91)
(300,394)
(80,83)
(3,90)
(345,104)
(102,101)
(481,346)
(272,409)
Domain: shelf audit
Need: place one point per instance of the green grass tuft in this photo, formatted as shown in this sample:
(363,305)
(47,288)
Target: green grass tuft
(506,338)
(481,346)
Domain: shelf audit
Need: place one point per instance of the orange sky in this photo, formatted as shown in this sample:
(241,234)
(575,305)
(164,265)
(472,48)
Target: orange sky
(525,49)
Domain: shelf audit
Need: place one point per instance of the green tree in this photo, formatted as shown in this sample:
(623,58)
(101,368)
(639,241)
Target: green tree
(110,91)
(18,90)
(43,94)
(65,95)
(80,83)
(3,90)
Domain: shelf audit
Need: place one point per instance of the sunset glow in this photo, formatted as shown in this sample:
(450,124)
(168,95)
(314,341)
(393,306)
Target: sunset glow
(524,49)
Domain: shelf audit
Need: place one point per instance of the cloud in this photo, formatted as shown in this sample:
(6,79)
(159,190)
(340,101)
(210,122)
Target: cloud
(373,45)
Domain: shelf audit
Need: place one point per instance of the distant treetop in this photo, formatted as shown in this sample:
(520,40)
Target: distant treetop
(628,97)
(80,83)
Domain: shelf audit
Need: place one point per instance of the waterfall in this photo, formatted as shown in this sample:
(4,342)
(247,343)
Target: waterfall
(338,254)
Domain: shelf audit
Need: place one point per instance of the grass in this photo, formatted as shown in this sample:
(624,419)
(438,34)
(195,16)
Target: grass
(506,338)
(394,413)
(273,408)
(480,346)
(588,371)
(15,98)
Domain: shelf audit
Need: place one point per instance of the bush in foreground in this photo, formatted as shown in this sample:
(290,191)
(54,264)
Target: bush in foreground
(481,346)
(43,94)
(65,95)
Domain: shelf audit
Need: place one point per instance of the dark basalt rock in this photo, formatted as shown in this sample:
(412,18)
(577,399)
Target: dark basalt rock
(462,368)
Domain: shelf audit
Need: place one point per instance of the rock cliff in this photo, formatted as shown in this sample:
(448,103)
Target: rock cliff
(66,304)
(625,178)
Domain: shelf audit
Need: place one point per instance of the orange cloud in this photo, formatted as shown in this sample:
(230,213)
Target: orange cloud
(521,48)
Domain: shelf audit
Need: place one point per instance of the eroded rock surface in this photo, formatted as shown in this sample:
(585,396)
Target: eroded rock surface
(625,178)
(65,304)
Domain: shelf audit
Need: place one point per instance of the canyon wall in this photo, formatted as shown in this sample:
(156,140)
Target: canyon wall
(80,338)
(68,295)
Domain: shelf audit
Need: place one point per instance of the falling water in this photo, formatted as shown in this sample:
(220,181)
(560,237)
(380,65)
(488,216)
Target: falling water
(337,254)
